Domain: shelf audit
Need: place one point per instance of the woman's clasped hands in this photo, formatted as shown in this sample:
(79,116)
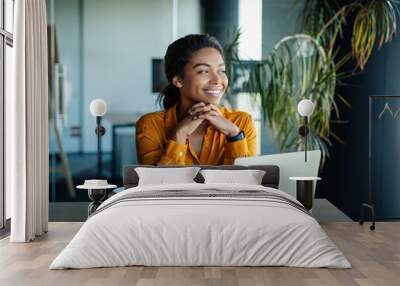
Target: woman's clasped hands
(197,114)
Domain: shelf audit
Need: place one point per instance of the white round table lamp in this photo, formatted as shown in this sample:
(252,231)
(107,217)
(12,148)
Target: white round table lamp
(98,107)
(305,108)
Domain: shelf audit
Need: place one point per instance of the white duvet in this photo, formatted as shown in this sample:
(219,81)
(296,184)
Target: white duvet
(185,231)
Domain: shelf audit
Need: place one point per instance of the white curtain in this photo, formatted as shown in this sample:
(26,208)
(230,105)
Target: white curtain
(27,123)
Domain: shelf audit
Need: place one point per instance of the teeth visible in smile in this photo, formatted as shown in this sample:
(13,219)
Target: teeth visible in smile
(213,91)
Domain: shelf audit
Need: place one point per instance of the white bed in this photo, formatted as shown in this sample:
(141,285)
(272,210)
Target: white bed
(250,225)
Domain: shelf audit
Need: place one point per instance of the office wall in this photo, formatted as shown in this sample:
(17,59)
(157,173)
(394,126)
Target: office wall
(119,39)
(220,18)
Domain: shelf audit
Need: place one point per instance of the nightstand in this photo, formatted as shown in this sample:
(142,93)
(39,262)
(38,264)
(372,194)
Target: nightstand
(304,190)
(97,192)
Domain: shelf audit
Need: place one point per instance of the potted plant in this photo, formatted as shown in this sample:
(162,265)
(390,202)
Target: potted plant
(307,65)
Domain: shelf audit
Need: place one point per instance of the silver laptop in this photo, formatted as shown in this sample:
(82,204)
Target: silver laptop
(290,165)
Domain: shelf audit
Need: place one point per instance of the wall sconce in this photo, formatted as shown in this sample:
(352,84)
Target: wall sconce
(98,108)
(305,108)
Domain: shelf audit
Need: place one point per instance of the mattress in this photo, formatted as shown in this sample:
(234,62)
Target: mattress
(201,225)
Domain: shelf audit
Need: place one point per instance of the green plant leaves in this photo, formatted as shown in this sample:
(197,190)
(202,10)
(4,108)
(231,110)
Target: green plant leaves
(307,65)
(374,21)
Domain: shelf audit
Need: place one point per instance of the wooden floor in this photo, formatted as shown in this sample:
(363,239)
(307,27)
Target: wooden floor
(374,255)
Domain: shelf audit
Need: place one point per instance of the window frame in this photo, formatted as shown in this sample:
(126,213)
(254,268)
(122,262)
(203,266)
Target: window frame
(6,39)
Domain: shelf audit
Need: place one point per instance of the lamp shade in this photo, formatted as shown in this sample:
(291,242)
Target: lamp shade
(305,107)
(98,107)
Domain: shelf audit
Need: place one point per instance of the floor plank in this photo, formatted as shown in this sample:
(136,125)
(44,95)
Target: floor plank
(375,257)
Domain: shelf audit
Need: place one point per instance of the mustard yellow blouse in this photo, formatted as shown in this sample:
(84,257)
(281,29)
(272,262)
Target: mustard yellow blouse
(154,147)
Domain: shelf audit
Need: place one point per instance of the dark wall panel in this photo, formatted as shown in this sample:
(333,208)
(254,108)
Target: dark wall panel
(220,18)
(346,174)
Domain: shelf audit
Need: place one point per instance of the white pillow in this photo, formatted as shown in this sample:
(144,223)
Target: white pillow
(163,176)
(248,177)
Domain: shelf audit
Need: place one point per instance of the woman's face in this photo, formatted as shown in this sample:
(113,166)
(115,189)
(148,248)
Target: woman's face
(204,77)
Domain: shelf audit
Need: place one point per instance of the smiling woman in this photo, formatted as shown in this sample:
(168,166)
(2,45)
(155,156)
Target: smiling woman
(193,128)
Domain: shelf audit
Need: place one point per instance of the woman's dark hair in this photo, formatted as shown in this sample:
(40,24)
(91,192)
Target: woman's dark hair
(177,56)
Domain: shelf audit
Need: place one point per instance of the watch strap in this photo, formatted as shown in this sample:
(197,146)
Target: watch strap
(235,138)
